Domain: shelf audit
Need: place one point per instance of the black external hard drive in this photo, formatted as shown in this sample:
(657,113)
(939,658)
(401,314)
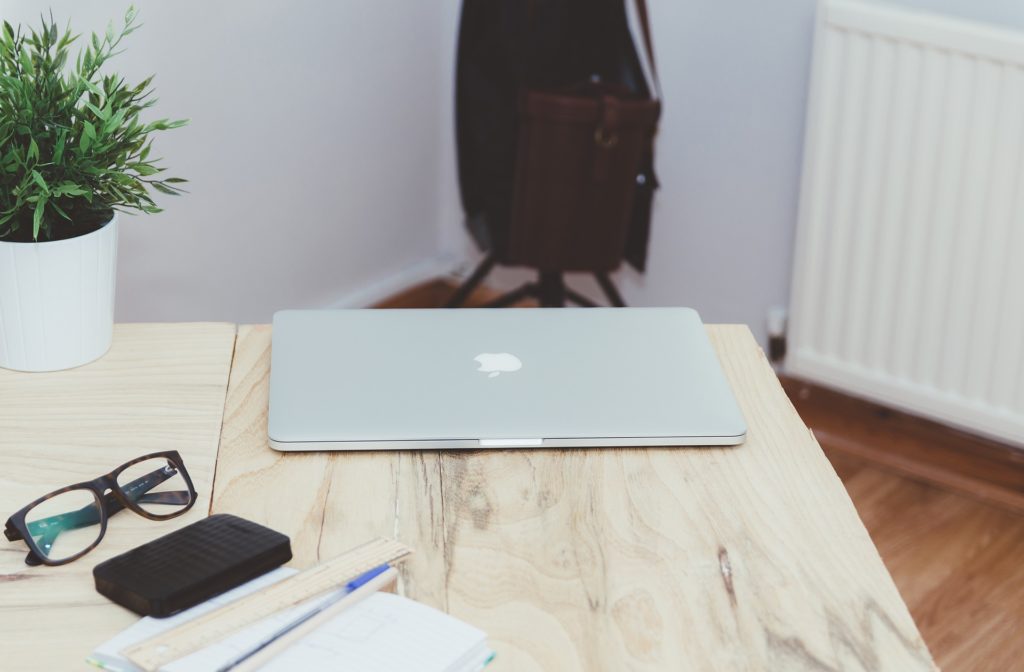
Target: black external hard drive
(191,565)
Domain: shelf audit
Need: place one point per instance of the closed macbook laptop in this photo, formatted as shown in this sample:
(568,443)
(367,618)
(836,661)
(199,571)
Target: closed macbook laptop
(501,378)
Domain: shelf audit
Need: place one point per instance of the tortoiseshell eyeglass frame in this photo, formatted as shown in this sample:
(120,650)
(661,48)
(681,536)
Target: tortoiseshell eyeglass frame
(119,497)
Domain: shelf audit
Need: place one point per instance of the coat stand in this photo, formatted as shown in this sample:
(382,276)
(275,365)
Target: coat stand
(549,289)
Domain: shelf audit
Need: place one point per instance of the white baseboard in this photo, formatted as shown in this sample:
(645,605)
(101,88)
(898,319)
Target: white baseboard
(951,408)
(378,290)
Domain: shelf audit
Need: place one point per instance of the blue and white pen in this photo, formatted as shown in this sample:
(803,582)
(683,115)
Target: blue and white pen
(350,587)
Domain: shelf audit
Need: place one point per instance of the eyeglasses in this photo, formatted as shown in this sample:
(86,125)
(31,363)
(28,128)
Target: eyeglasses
(68,523)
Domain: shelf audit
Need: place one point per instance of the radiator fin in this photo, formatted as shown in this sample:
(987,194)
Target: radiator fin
(908,282)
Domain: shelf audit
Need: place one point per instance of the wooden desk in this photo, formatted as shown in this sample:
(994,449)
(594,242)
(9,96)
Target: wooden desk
(746,558)
(161,387)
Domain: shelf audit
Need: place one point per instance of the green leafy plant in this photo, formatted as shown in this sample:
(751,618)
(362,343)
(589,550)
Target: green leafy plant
(72,145)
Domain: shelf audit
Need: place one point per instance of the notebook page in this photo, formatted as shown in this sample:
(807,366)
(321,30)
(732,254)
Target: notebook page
(108,655)
(226,651)
(416,637)
(383,633)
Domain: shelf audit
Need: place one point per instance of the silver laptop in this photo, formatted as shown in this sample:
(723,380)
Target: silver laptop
(502,378)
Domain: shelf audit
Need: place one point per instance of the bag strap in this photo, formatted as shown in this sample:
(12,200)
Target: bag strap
(645,28)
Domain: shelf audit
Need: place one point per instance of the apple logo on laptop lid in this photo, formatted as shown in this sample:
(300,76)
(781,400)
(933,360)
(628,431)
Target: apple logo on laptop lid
(496,363)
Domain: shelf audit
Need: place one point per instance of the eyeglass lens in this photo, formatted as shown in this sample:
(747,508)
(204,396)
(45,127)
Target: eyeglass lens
(66,524)
(156,486)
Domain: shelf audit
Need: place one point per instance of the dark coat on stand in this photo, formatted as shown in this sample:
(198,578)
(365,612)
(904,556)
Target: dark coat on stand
(506,46)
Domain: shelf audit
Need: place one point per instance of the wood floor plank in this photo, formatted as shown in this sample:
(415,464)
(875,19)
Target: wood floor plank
(910,445)
(435,293)
(957,562)
(430,294)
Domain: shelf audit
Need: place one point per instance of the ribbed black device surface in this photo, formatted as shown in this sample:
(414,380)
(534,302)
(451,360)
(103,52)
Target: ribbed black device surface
(191,565)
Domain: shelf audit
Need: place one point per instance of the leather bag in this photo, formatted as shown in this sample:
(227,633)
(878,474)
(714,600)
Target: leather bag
(582,152)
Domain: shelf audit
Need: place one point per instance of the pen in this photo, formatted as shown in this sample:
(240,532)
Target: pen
(350,587)
(365,578)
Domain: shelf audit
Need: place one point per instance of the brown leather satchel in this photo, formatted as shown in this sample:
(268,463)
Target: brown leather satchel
(579,155)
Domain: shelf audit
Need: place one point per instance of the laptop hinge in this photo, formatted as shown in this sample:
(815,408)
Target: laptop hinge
(511,443)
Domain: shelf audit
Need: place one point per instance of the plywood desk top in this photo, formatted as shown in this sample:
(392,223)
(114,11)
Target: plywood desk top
(746,558)
(161,387)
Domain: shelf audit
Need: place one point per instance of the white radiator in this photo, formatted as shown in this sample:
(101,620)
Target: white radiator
(908,283)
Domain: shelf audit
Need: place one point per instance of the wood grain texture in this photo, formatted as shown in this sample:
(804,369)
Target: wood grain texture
(746,558)
(434,294)
(325,504)
(955,559)
(161,387)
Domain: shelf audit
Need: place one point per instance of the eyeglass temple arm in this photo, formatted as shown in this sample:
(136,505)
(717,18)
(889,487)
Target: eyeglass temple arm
(137,490)
(11,532)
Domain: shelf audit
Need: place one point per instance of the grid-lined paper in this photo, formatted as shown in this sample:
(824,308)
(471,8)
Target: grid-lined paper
(382,632)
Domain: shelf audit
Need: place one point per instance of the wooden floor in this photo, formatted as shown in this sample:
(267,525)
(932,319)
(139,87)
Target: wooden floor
(433,294)
(957,560)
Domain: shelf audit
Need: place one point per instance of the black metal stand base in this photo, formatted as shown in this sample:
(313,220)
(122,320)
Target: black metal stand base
(549,290)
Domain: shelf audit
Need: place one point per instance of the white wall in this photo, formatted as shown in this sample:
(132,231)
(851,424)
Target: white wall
(312,151)
(729,153)
(321,152)
(734,76)
(1006,13)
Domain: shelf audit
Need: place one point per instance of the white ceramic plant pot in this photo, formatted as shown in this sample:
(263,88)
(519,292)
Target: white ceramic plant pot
(57,300)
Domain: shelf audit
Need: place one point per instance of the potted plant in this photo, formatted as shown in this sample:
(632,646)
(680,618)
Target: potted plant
(73,153)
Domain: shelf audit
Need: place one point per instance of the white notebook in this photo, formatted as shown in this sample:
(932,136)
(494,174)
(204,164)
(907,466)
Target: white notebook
(384,632)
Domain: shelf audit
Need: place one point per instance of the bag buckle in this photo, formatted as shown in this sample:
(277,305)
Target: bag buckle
(604,138)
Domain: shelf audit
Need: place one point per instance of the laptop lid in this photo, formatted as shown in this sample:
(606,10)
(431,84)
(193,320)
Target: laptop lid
(376,379)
